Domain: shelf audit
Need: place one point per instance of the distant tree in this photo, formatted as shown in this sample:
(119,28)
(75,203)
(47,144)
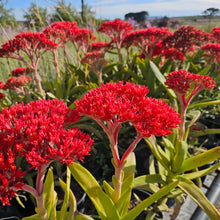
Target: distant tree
(6,18)
(211,12)
(137,16)
(36,15)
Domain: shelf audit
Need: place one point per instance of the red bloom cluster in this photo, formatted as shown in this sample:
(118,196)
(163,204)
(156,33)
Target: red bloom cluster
(21,70)
(13,83)
(146,39)
(212,51)
(100,46)
(216,34)
(36,41)
(171,53)
(94,58)
(30,43)
(2,96)
(58,31)
(180,81)
(117,30)
(36,131)
(117,103)
(81,38)
(185,38)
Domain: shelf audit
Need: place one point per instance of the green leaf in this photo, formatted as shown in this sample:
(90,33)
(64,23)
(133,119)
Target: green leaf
(63,211)
(50,196)
(130,165)
(198,197)
(161,79)
(194,115)
(108,189)
(202,104)
(33,217)
(195,133)
(170,147)
(150,178)
(89,185)
(123,203)
(80,216)
(200,159)
(72,200)
(152,169)
(150,200)
(108,206)
(201,173)
(180,156)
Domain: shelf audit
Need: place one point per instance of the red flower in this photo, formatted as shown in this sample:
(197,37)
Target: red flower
(1,85)
(180,81)
(116,103)
(116,30)
(212,51)
(185,38)
(2,96)
(58,31)
(216,34)
(37,132)
(21,70)
(173,54)
(146,39)
(94,59)
(81,38)
(33,44)
(13,83)
(100,46)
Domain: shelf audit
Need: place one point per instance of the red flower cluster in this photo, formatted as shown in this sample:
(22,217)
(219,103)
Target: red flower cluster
(81,38)
(36,42)
(2,96)
(180,81)
(185,38)
(117,103)
(216,34)
(21,70)
(100,46)
(94,58)
(147,38)
(212,51)
(13,83)
(30,43)
(171,53)
(117,30)
(58,31)
(36,131)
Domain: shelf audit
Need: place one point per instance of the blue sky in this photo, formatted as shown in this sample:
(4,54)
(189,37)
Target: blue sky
(110,9)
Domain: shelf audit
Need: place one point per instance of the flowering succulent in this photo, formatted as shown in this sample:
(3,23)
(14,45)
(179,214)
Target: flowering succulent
(212,51)
(36,131)
(117,30)
(173,54)
(180,81)
(33,45)
(2,96)
(216,34)
(81,38)
(21,70)
(16,82)
(100,46)
(58,31)
(185,38)
(145,39)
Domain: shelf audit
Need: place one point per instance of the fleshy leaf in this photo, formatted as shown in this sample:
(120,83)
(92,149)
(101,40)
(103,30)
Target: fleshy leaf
(200,160)
(132,214)
(89,185)
(198,197)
